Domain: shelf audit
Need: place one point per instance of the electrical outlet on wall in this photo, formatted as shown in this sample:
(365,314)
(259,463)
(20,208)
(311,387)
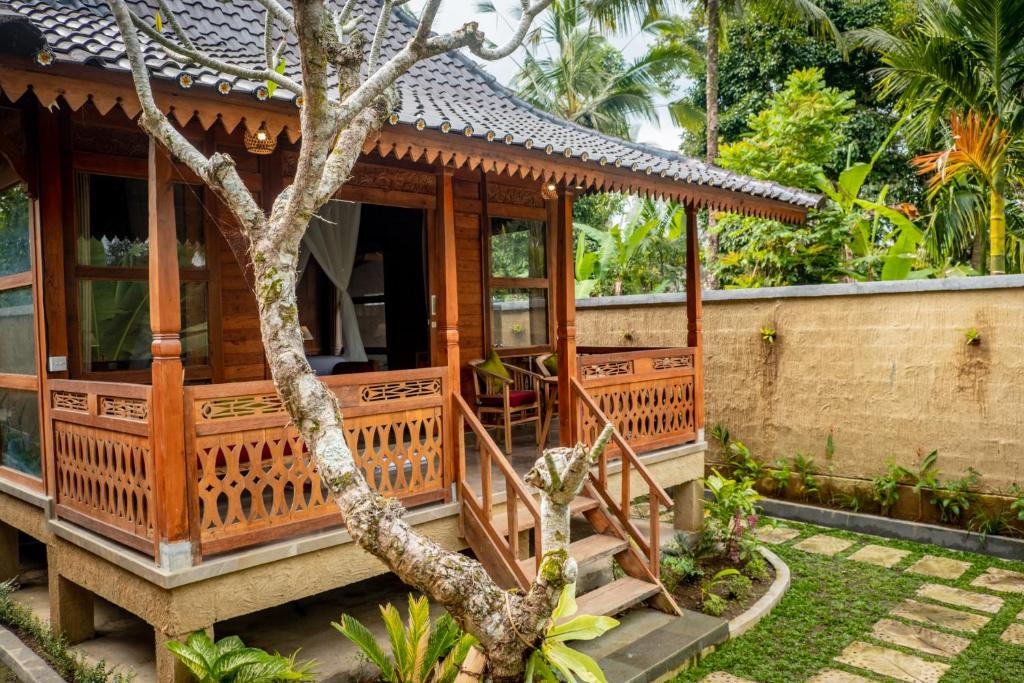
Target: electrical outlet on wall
(57,363)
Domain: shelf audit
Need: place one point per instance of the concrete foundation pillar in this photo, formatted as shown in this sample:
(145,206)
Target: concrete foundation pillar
(169,668)
(688,509)
(71,609)
(9,560)
(525,536)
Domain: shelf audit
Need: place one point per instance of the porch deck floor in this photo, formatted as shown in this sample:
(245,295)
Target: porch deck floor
(525,452)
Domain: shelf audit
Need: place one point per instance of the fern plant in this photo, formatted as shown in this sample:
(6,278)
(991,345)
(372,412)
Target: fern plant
(229,661)
(419,653)
(806,472)
(554,658)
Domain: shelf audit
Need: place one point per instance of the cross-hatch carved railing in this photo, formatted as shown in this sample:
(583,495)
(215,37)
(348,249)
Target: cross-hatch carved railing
(647,394)
(103,467)
(252,474)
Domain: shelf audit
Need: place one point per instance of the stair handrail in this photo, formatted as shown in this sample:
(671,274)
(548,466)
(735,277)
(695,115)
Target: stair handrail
(515,489)
(621,509)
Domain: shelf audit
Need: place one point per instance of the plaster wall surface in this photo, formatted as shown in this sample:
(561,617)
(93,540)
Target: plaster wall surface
(885,366)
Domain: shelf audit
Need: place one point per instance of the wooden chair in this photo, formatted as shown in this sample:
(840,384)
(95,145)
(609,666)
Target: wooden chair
(549,383)
(506,402)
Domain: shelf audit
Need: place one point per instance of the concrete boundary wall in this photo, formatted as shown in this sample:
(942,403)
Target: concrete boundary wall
(885,365)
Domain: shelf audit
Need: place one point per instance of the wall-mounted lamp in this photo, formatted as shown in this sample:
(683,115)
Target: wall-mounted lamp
(260,142)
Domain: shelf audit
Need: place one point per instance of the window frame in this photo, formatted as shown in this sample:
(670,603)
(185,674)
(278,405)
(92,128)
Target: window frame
(135,169)
(491,283)
(20,381)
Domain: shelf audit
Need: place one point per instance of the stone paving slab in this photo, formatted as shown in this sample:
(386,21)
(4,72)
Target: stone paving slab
(961,598)
(775,534)
(723,677)
(823,544)
(1002,580)
(1021,615)
(919,638)
(837,676)
(886,662)
(937,615)
(939,567)
(1014,634)
(879,555)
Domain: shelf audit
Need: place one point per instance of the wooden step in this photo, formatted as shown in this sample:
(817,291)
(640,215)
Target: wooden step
(579,505)
(616,596)
(590,549)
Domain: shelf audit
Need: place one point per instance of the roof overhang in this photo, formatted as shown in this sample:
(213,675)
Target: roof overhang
(78,84)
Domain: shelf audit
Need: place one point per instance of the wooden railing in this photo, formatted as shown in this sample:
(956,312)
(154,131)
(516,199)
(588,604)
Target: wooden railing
(649,395)
(251,471)
(503,565)
(621,507)
(103,470)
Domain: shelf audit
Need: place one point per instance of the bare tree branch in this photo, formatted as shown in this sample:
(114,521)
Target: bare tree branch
(279,12)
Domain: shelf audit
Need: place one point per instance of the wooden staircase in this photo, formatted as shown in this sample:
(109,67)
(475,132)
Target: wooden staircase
(505,535)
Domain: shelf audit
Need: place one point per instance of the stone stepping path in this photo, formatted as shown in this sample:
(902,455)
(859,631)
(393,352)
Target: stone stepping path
(775,535)
(961,598)
(1014,634)
(823,544)
(892,663)
(937,615)
(837,676)
(939,567)
(1000,580)
(879,555)
(919,638)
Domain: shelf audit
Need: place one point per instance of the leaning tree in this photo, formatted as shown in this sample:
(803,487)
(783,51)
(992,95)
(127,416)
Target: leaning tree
(348,89)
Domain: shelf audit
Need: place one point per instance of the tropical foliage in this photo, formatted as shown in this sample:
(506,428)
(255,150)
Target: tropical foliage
(554,659)
(229,661)
(420,653)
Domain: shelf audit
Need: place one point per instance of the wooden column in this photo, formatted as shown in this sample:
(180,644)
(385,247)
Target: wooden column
(167,408)
(448,312)
(565,312)
(694,308)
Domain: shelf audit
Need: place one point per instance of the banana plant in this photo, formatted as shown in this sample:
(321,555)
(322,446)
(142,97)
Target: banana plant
(419,653)
(229,661)
(898,252)
(554,655)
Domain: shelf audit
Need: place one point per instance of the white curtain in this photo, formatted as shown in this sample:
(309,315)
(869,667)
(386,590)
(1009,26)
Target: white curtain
(331,239)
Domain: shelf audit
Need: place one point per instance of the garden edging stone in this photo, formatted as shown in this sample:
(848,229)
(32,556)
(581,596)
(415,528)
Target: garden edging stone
(918,532)
(26,665)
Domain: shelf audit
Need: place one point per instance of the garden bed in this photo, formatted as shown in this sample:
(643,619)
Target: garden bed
(688,593)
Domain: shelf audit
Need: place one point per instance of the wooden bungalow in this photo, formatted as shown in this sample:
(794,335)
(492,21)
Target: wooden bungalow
(170,483)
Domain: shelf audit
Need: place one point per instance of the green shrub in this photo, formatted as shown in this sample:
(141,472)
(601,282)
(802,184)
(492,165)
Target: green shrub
(739,587)
(757,568)
(50,646)
(230,661)
(731,514)
(885,487)
(419,653)
(554,655)
(956,497)
(713,604)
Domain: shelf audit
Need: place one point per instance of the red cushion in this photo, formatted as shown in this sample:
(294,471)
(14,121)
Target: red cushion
(515,398)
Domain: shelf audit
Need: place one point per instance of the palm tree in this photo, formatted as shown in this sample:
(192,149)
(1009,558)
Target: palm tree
(584,79)
(960,73)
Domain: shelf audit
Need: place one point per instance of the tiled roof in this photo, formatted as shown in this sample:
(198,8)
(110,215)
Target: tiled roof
(442,92)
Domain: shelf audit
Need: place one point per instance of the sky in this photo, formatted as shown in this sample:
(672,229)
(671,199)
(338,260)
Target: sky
(498,27)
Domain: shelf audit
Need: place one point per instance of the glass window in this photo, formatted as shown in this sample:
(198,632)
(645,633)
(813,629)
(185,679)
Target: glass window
(115,324)
(519,317)
(19,431)
(17,332)
(14,252)
(518,248)
(114,222)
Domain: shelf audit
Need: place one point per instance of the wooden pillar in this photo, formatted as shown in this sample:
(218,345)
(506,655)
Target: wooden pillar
(448,311)
(694,308)
(167,408)
(565,312)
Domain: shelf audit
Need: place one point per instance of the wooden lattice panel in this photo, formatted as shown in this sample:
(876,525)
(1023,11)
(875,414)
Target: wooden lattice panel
(106,476)
(253,483)
(672,362)
(389,391)
(646,412)
(240,406)
(71,400)
(126,408)
(607,369)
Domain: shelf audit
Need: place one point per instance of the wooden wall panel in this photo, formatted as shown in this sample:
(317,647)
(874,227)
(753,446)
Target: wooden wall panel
(470,277)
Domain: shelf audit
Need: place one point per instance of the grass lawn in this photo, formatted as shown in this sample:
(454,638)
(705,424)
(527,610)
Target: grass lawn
(834,601)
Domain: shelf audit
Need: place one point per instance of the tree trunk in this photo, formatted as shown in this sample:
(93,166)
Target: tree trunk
(996,232)
(713,18)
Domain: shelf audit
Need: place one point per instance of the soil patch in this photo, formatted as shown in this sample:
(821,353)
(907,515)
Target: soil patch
(688,593)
